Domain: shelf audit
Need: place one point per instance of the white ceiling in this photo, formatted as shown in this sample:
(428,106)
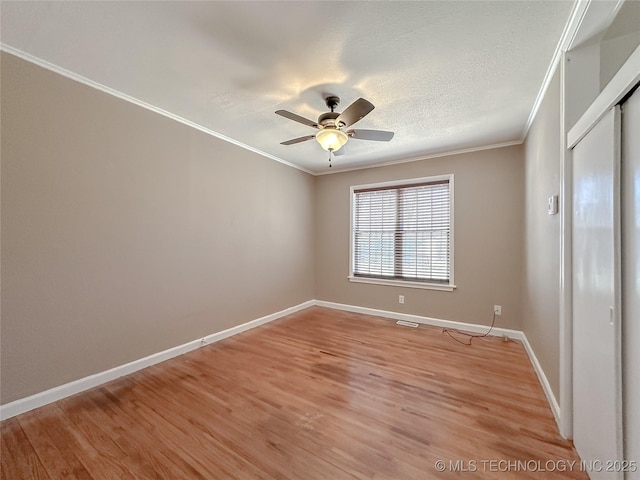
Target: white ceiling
(443,75)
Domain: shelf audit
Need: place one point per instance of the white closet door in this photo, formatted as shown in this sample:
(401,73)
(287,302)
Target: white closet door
(631,281)
(597,378)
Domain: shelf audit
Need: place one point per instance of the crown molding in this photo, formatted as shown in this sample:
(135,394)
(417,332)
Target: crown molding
(140,103)
(567,38)
(110,91)
(425,157)
(568,35)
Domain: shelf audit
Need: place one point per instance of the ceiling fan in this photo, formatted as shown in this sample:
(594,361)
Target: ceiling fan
(331,136)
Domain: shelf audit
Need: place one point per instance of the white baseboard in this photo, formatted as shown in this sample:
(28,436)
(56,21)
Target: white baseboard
(58,393)
(469,327)
(551,398)
(436,322)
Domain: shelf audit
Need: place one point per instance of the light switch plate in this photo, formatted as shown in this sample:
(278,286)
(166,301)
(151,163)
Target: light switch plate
(552,205)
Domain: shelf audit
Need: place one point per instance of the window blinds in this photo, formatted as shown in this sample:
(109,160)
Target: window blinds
(403,232)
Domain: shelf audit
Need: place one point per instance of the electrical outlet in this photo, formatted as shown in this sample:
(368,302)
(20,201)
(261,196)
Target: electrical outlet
(400,298)
(497,309)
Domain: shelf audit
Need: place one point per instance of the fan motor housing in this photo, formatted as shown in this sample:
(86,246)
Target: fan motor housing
(328,119)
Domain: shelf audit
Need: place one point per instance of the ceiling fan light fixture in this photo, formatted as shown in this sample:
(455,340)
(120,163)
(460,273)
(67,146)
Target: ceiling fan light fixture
(331,139)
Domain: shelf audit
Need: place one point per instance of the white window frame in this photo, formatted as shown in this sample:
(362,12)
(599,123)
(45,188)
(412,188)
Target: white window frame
(395,282)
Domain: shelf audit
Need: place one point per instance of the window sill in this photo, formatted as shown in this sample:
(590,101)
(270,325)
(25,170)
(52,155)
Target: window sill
(403,283)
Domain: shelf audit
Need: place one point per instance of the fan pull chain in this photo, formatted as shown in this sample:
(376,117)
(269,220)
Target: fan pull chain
(330,152)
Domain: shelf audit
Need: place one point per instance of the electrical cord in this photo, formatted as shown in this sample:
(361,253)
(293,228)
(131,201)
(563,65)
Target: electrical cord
(471,336)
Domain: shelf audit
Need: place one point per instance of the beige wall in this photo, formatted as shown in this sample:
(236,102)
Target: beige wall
(621,39)
(540,299)
(489,208)
(125,233)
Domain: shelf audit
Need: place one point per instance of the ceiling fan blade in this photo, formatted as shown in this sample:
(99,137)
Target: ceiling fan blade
(355,112)
(298,140)
(377,135)
(297,118)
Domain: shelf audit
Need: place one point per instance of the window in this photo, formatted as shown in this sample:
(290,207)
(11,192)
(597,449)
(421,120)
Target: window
(401,233)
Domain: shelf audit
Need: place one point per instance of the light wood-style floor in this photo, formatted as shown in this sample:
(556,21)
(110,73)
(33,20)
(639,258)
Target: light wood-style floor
(320,394)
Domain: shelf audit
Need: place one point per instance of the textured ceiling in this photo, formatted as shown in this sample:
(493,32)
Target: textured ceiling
(443,75)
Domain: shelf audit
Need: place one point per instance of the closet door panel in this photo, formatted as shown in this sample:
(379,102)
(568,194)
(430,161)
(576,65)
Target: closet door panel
(631,281)
(597,378)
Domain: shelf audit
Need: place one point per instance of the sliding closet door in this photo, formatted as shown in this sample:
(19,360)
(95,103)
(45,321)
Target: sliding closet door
(597,378)
(631,280)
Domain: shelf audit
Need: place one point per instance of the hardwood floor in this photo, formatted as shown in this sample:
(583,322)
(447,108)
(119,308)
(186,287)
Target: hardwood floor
(320,394)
